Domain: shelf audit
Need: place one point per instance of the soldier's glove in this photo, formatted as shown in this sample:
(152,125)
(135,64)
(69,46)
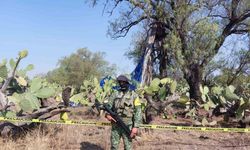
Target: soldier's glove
(110,118)
(133,132)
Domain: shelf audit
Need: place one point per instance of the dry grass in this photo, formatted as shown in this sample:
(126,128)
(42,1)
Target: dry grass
(30,141)
(59,137)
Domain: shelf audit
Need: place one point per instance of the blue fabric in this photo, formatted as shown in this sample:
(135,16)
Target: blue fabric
(102,82)
(136,77)
(137,73)
(132,87)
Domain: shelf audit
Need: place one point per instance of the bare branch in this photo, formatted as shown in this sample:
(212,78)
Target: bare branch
(242,31)
(218,15)
(153,4)
(227,30)
(7,82)
(43,111)
(7,128)
(131,11)
(124,30)
(243,63)
(244,16)
(115,5)
(234,6)
(104,7)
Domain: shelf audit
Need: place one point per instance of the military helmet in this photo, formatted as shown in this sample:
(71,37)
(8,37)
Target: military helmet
(122,78)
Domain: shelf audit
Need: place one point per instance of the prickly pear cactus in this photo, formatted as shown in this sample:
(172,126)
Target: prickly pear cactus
(29,102)
(161,88)
(22,54)
(41,88)
(3,70)
(91,91)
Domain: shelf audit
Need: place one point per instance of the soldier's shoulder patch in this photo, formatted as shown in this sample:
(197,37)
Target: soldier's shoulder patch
(137,102)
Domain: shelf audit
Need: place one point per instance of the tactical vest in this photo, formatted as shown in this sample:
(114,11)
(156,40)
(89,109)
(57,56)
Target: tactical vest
(123,104)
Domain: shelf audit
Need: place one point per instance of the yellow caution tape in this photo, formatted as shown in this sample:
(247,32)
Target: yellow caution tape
(64,116)
(146,126)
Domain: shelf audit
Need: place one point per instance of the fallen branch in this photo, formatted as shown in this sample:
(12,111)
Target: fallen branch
(160,105)
(10,129)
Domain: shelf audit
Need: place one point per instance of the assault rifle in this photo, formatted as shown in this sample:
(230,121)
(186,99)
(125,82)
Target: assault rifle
(118,120)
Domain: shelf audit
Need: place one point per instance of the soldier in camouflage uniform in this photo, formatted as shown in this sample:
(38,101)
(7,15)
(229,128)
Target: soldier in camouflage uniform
(128,107)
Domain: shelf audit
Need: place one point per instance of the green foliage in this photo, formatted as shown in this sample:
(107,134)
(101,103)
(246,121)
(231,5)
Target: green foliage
(15,98)
(23,72)
(29,102)
(189,33)
(91,91)
(161,88)
(35,84)
(12,63)
(229,93)
(184,99)
(8,114)
(25,94)
(79,99)
(45,92)
(219,96)
(216,97)
(23,54)
(41,88)
(19,81)
(104,93)
(80,66)
(158,85)
(32,91)
(3,70)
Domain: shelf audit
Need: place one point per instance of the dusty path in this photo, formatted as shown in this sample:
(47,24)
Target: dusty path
(98,139)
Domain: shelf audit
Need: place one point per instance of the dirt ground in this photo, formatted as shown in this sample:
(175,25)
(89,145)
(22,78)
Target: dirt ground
(98,138)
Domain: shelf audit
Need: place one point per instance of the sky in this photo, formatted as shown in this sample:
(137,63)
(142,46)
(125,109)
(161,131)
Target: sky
(52,29)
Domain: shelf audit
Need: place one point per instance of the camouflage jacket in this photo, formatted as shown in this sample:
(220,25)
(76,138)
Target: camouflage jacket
(127,106)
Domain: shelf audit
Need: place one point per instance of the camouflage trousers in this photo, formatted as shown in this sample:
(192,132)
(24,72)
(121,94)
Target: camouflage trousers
(116,134)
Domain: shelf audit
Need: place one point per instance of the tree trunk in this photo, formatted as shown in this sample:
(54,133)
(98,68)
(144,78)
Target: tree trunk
(159,45)
(194,78)
(147,72)
(163,62)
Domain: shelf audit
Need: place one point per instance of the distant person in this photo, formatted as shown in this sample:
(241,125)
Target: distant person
(126,104)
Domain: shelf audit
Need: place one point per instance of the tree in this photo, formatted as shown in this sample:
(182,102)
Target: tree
(230,68)
(236,71)
(79,66)
(193,30)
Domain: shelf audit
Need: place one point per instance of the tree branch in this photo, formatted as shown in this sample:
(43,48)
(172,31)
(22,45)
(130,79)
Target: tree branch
(242,31)
(227,30)
(243,63)
(115,5)
(104,7)
(217,15)
(160,105)
(7,82)
(234,5)
(124,30)
(137,4)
